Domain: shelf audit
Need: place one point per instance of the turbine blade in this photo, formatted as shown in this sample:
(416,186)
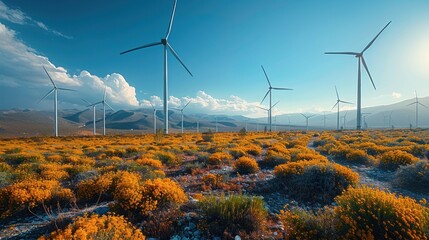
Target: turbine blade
(373,40)
(369,74)
(335,105)
(343,53)
(171,20)
(276,88)
(265,95)
(411,103)
(55,86)
(346,102)
(262,108)
(144,46)
(275,104)
(104,97)
(178,58)
(423,105)
(53,89)
(303,115)
(109,106)
(89,104)
(67,89)
(338,96)
(186,105)
(152,105)
(263,69)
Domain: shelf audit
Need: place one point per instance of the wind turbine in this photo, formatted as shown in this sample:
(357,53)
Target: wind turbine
(269,91)
(164,42)
(338,107)
(154,118)
(93,110)
(306,119)
(364,119)
(268,110)
(55,91)
(344,120)
(361,59)
(417,102)
(181,110)
(104,110)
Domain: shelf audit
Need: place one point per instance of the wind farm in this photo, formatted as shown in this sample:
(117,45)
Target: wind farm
(125,144)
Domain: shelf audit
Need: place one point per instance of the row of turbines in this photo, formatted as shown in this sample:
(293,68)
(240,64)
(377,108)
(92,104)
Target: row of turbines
(168,48)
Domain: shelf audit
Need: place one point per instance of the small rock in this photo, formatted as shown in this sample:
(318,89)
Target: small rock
(216,238)
(237,237)
(192,226)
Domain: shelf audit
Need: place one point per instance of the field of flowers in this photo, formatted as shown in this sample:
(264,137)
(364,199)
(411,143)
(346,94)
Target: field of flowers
(282,185)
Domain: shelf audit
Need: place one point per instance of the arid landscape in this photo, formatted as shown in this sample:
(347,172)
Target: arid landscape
(284,185)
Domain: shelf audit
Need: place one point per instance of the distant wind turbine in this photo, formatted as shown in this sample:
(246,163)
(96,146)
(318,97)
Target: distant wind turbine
(306,119)
(93,111)
(338,107)
(364,119)
(361,59)
(344,120)
(269,92)
(181,111)
(55,91)
(164,42)
(154,118)
(268,110)
(417,103)
(104,110)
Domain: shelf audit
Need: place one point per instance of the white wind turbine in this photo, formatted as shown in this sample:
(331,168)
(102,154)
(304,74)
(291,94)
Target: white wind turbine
(181,111)
(268,111)
(55,91)
(104,110)
(417,103)
(164,42)
(93,110)
(269,91)
(338,107)
(154,118)
(361,59)
(306,119)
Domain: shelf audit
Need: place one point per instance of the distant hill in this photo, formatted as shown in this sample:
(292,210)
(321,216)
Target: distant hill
(25,122)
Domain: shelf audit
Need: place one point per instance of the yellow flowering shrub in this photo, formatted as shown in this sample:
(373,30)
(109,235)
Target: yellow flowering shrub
(315,180)
(391,160)
(218,158)
(94,227)
(357,156)
(212,181)
(32,193)
(93,188)
(367,213)
(246,165)
(156,164)
(414,177)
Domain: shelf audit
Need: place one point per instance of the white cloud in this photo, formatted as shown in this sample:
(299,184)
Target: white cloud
(18,17)
(396,95)
(204,102)
(21,66)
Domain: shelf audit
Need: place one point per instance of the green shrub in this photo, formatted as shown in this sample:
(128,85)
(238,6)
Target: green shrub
(414,177)
(169,158)
(392,160)
(233,214)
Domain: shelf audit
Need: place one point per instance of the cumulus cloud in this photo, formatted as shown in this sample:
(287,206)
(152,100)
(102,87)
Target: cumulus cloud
(21,66)
(204,102)
(18,17)
(396,95)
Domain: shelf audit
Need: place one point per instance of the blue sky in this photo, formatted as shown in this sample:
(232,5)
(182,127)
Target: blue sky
(223,43)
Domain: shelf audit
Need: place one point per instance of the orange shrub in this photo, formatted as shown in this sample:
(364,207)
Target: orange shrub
(246,165)
(367,213)
(393,159)
(98,227)
(357,156)
(218,158)
(212,180)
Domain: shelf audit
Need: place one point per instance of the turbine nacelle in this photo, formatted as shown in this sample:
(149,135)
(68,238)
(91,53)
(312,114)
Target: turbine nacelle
(164,41)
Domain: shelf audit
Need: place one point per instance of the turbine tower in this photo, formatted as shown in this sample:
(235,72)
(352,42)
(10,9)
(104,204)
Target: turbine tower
(338,107)
(269,91)
(417,102)
(93,110)
(55,91)
(361,60)
(181,111)
(306,120)
(104,110)
(154,118)
(166,45)
(268,110)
